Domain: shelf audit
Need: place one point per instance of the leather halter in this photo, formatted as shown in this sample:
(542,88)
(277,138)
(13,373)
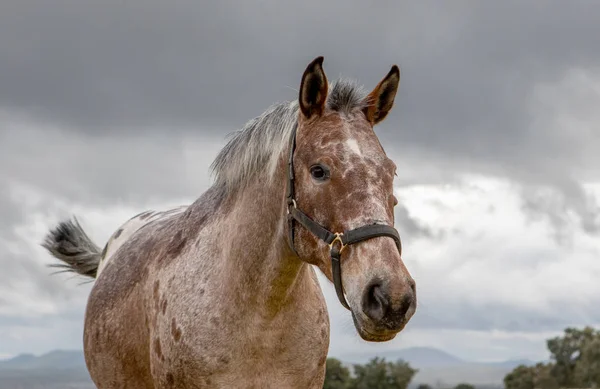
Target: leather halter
(337,241)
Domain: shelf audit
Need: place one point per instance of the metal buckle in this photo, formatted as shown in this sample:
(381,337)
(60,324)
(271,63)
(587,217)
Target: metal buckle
(290,204)
(338,238)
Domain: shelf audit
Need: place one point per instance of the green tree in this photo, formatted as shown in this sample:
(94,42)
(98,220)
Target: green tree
(379,374)
(575,363)
(522,377)
(464,386)
(372,375)
(531,377)
(337,376)
(566,351)
(543,378)
(587,368)
(401,374)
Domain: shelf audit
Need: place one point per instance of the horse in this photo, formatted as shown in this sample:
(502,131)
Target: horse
(223,292)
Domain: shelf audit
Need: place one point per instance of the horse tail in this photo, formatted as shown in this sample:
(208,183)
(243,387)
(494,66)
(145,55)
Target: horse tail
(71,245)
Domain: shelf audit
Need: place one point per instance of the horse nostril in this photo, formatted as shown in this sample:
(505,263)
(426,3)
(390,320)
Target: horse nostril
(375,302)
(407,301)
(378,305)
(413,286)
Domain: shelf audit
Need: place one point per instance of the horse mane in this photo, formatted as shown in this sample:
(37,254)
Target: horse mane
(253,151)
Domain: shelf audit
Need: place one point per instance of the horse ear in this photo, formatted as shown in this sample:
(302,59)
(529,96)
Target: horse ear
(313,89)
(381,99)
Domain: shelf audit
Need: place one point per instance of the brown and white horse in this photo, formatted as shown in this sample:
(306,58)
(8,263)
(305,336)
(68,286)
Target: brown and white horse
(221,293)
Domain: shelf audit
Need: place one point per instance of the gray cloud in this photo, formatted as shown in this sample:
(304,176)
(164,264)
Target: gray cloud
(409,226)
(468,73)
(19,262)
(101,171)
(558,204)
(11,215)
(502,317)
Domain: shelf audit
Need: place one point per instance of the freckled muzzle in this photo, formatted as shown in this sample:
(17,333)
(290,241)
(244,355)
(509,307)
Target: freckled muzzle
(336,241)
(386,312)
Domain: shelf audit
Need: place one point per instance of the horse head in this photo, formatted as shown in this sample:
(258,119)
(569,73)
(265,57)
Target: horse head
(341,201)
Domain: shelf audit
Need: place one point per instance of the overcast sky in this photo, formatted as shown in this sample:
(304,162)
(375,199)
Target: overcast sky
(108,108)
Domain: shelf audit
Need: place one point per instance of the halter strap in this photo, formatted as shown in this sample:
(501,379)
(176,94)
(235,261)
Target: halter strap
(343,239)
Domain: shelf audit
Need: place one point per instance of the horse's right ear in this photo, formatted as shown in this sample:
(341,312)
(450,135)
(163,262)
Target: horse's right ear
(313,89)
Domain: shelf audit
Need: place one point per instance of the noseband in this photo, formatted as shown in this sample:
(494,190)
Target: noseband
(337,241)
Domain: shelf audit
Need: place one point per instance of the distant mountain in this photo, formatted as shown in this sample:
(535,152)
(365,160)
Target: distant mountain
(58,359)
(426,357)
(512,363)
(19,360)
(58,369)
(422,357)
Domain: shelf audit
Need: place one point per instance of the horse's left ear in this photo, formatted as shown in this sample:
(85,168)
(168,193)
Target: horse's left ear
(313,89)
(381,99)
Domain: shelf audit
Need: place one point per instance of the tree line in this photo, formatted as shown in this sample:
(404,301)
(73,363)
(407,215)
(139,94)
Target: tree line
(574,363)
(376,374)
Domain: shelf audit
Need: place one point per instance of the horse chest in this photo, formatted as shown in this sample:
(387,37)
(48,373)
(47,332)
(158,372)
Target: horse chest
(222,351)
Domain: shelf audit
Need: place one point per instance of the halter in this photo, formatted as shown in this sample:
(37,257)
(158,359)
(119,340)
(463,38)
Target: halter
(337,241)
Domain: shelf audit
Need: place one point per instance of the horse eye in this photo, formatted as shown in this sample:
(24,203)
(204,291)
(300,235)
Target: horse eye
(319,172)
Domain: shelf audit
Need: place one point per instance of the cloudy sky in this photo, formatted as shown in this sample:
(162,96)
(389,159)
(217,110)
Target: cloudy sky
(108,108)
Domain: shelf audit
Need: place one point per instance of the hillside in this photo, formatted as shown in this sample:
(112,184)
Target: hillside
(58,359)
(55,370)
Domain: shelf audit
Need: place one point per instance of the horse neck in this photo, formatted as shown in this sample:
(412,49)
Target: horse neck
(268,274)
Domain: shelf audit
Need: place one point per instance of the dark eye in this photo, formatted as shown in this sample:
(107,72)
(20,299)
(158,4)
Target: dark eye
(319,173)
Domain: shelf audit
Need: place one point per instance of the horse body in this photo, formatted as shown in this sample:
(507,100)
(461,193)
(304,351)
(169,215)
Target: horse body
(214,295)
(237,332)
